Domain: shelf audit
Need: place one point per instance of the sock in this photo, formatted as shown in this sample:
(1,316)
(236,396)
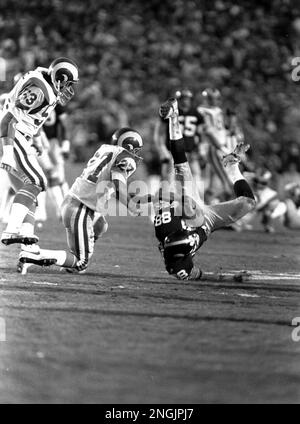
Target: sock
(23,202)
(17,215)
(27,227)
(41,212)
(234,173)
(242,188)
(63,258)
(174,128)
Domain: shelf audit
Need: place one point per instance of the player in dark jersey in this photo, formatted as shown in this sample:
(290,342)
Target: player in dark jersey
(191,122)
(182,222)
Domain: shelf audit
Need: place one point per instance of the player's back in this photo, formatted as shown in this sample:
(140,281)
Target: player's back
(95,182)
(31,101)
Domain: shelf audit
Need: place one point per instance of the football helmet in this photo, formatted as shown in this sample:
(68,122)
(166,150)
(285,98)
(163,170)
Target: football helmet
(183,93)
(212,96)
(129,139)
(185,98)
(63,73)
(180,244)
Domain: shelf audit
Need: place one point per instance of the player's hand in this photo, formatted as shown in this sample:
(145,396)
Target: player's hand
(134,208)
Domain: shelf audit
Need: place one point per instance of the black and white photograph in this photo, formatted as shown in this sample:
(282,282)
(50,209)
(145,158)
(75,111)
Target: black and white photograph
(149,205)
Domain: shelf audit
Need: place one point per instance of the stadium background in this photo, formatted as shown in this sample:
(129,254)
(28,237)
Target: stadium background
(133,53)
(126,332)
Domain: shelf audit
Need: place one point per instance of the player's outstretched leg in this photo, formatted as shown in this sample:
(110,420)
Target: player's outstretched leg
(185,188)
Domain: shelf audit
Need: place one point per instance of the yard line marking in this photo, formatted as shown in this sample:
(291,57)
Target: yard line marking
(265,275)
(44,283)
(247,295)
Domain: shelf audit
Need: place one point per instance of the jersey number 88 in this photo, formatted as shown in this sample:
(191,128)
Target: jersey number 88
(164,218)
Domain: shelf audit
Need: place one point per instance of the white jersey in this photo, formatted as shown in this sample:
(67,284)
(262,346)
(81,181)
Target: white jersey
(30,102)
(94,186)
(214,117)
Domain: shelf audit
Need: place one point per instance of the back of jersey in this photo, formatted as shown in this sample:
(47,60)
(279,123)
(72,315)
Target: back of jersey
(94,186)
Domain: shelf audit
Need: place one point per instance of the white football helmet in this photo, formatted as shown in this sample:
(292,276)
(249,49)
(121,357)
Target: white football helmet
(63,73)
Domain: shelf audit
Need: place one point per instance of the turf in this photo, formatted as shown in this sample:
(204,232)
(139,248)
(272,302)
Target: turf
(126,332)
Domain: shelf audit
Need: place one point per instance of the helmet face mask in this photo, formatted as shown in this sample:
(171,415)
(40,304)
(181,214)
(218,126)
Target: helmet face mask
(180,244)
(129,139)
(63,73)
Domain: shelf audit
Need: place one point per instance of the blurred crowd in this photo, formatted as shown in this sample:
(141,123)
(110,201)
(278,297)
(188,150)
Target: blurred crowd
(132,54)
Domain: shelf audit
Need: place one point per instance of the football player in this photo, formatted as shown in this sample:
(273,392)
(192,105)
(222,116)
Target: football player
(26,109)
(216,137)
(191,122)
(85,206)
(183,223)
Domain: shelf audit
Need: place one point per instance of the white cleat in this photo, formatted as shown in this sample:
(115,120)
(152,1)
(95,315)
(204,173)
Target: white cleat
(169,108)
(237,155)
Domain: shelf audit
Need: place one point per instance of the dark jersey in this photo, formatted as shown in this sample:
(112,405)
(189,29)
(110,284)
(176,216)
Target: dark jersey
(53,126)
(166,222)
(190,122)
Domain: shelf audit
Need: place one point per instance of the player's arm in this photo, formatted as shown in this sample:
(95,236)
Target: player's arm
(122,169)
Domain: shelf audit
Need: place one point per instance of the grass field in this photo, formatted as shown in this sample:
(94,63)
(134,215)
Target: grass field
(126,332)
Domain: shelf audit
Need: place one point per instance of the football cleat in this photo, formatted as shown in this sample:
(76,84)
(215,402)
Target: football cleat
(237,155)
(168,109)
(13,238)
(36,259)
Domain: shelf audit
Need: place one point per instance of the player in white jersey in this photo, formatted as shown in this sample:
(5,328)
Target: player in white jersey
(85,206)
(5,184)
(215,136)
(26,109)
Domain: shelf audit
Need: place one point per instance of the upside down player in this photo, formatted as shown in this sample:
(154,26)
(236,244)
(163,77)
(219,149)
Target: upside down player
(84,207)
(182,225)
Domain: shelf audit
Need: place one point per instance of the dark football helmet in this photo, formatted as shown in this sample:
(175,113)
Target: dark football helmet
(185,98)
(180,244)
(63,73)
(129,139)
